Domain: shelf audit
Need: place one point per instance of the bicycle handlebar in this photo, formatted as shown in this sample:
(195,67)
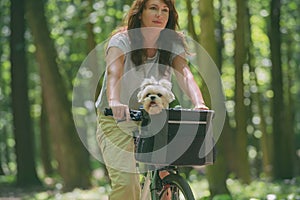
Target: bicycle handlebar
(139,115)
(135,115)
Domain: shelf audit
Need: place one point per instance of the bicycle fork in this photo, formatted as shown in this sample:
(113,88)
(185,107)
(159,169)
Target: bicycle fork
(157,186)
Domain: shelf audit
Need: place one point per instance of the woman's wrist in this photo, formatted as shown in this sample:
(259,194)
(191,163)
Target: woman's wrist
(201,106)
(113,102)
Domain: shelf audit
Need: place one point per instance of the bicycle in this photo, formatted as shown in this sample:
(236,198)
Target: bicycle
(172,186)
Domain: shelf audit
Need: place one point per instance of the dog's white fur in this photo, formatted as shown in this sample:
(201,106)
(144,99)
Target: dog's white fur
(155,95)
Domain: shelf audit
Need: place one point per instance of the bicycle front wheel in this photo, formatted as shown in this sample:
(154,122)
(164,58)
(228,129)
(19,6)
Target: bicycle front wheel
(175,187)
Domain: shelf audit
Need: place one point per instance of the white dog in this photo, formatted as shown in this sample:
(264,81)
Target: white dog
(155,95)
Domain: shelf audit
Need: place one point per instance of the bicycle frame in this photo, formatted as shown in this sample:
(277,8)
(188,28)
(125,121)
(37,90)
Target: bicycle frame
(155,183)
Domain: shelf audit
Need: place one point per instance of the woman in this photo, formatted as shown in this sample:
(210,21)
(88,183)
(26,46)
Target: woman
(149,46)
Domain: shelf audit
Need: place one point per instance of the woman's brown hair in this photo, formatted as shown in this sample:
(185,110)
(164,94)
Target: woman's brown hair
(138,55)
(133,17)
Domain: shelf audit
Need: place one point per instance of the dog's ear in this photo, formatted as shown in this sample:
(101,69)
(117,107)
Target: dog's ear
(171,96)
(166,84)
(140,96)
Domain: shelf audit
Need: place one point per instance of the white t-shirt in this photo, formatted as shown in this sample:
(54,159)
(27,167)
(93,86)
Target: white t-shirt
(133,75)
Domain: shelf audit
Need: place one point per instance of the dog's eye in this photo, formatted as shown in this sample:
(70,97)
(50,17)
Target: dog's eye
(148,95)
(159,94)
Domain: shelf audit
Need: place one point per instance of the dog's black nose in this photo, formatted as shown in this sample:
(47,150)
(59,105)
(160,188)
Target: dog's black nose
(152,97)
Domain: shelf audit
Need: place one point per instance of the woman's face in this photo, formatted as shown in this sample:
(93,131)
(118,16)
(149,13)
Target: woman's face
(155,14)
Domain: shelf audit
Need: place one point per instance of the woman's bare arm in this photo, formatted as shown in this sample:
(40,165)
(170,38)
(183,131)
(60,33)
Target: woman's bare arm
(187,82)
(115,66)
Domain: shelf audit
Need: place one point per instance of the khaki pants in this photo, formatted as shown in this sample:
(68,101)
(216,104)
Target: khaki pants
(117,146)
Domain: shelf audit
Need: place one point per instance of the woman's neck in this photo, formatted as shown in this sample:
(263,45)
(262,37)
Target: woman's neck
(150,38)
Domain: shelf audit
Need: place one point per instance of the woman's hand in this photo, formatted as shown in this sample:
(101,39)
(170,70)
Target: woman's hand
(120,111)
(201,107)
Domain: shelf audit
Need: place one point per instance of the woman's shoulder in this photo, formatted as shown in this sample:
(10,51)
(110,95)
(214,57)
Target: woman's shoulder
(121,40)
(120,35)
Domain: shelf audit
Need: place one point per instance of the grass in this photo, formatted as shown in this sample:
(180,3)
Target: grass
(257,190)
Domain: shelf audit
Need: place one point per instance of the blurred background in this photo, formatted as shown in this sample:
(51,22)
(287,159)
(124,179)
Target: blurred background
(255,45)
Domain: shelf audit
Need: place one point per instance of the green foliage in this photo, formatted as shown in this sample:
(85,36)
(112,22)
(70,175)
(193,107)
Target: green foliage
(7,142)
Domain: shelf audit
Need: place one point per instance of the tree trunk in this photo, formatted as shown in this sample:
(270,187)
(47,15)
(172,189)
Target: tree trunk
(217,173)
(240,58)
(283,155)
(6,150)
(72,157)
(3,144)
(208,26)
(91,42)
(291,113)
(45,142)
(191,26)
(26,172)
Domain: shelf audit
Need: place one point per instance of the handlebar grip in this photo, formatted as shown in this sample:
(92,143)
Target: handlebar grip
(135,115)
(108,112)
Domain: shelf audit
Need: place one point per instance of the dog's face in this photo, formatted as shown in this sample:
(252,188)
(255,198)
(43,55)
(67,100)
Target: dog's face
(155,95)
